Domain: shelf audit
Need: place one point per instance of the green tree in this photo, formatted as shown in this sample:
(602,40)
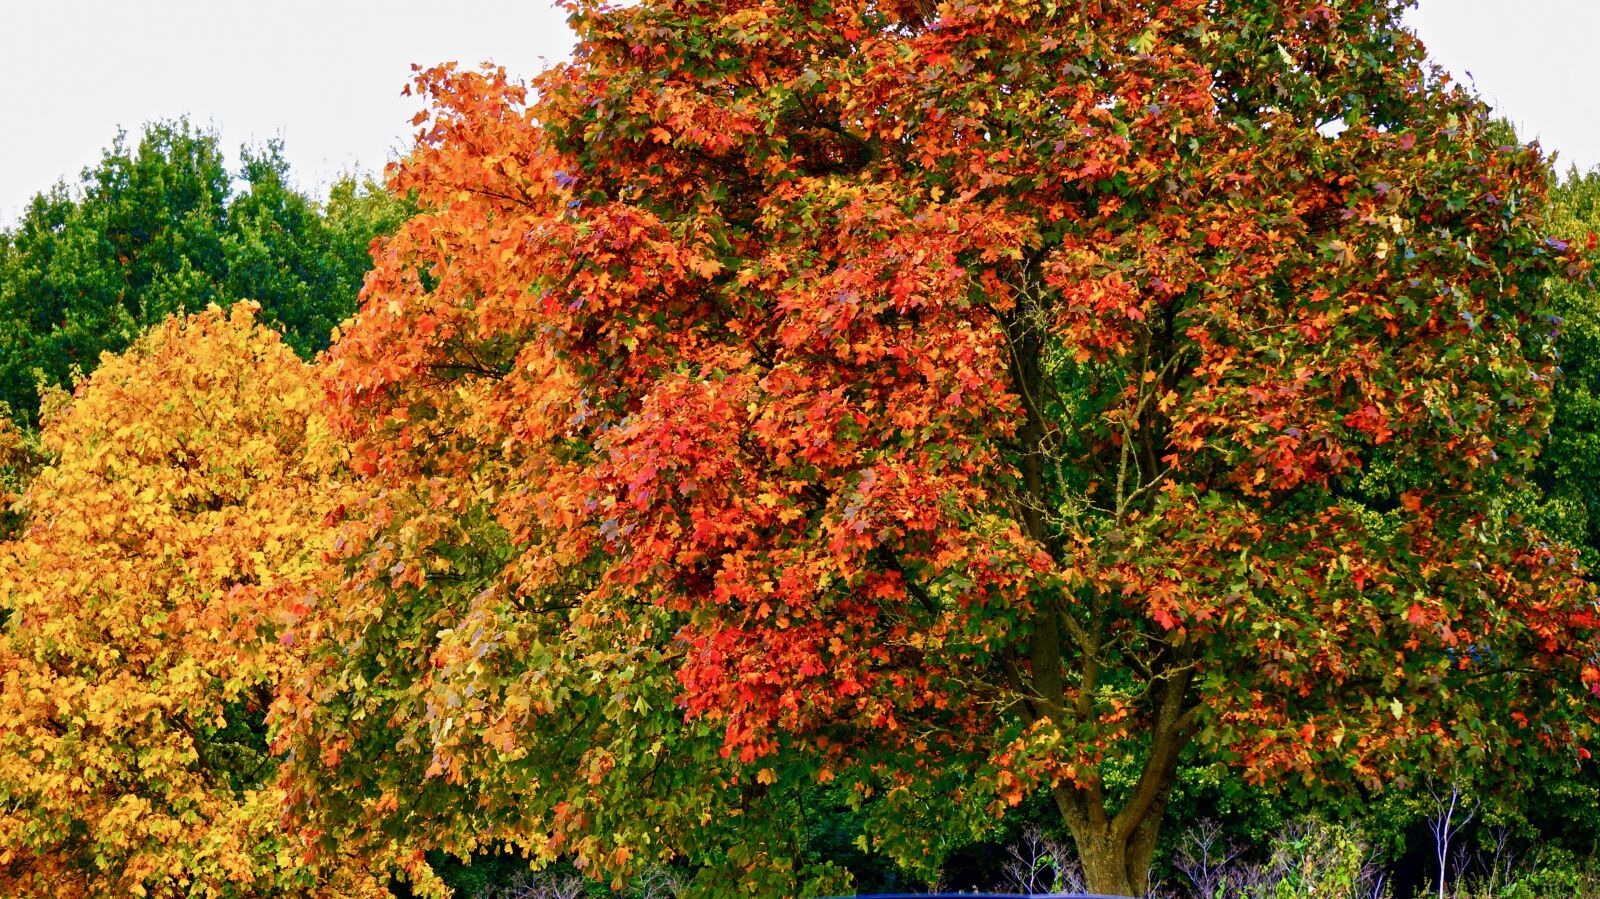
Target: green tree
(1567,479)
(300,260)
(157,228)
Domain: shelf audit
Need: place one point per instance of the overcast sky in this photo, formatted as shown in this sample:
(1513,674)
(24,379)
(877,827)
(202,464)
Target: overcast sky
(325,75)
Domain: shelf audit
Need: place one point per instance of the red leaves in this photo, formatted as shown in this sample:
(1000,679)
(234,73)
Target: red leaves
(1371,420)
(893,381)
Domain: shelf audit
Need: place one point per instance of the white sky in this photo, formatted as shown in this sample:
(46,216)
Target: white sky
(1533,60)
(326,76)
(323,75)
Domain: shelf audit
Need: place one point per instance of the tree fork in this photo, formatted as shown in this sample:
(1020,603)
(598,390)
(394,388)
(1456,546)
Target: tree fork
(1116,850)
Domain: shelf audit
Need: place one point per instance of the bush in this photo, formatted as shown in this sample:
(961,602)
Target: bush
(1307,859)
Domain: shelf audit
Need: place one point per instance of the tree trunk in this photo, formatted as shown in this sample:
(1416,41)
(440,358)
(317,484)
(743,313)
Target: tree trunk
(1116,850)
(1105,865)
(1113,865)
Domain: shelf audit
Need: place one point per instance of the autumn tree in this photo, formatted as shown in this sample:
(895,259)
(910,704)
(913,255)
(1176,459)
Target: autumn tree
(946,402)
(159,553)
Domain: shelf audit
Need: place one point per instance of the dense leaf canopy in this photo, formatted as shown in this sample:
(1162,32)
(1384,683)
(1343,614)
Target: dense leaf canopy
(880,417)
(938,403)
(158,228)
(161,551)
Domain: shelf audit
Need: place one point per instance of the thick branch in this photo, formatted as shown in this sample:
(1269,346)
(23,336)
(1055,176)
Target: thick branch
(1167,740)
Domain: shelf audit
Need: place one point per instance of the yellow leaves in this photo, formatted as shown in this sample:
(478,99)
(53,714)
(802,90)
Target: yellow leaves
(180,507)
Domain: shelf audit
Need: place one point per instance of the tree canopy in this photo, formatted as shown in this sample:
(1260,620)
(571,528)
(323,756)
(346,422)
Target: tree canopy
(938,403)
(160,554)
(156,228)
(1566,491)
(789,424)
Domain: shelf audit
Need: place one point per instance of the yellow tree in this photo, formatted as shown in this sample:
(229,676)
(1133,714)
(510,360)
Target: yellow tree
(144,592)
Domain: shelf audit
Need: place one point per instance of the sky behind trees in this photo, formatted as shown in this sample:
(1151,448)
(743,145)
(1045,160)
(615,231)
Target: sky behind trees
(326,76)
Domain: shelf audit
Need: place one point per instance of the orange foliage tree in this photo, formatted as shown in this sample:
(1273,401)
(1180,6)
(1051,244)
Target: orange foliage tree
(178,516)
(936,403)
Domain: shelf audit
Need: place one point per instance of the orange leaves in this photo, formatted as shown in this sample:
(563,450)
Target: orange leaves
(1417,615)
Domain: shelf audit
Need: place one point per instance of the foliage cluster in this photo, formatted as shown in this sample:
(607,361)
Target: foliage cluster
(166,544)
(159,227)
(790,444)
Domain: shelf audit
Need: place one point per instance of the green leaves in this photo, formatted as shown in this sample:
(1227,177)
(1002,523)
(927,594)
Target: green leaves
(156,229)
